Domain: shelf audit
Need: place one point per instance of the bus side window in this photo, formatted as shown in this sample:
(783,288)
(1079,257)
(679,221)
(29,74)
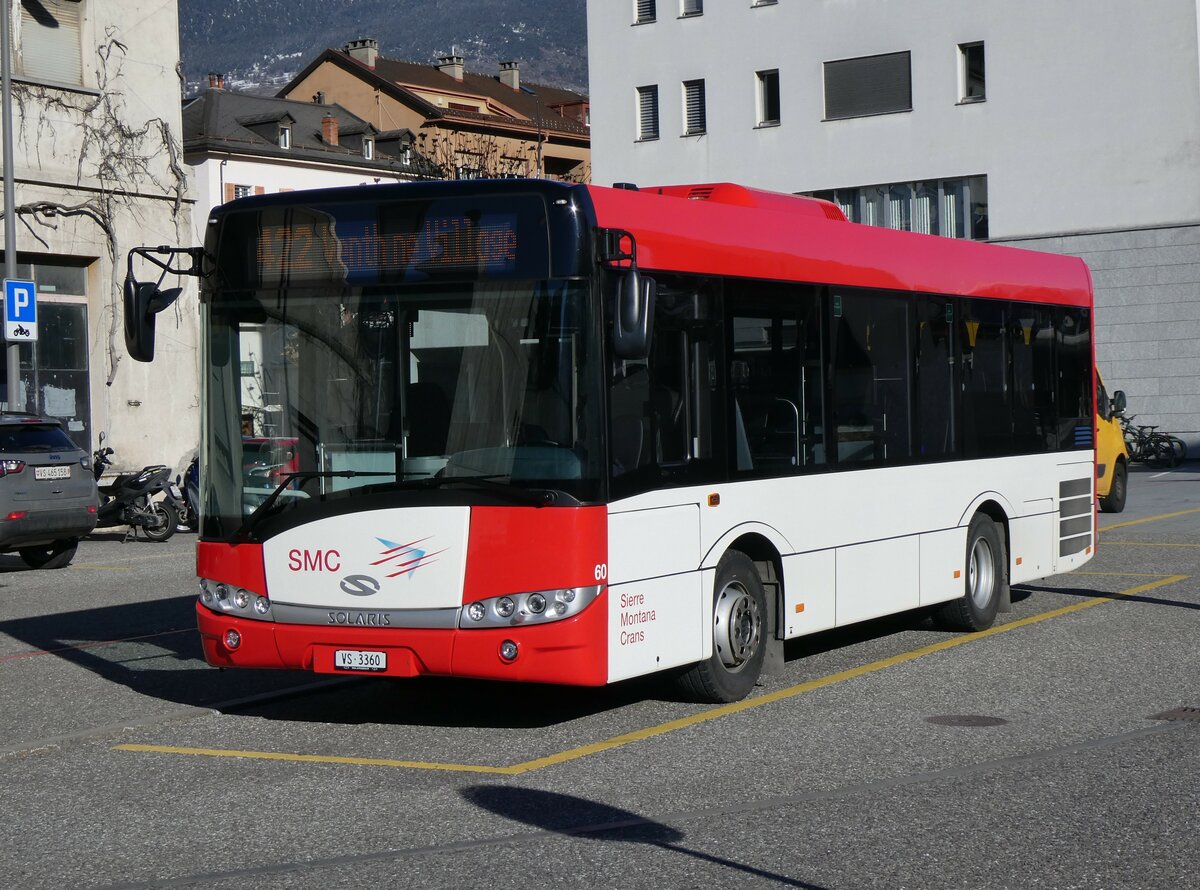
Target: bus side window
(870,369)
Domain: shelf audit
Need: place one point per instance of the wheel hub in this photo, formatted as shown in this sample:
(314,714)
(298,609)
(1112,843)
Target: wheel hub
(737,629)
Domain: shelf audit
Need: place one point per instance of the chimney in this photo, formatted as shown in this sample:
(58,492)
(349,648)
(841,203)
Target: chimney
(365,50)
(451,65)
(216,81)
(510,74)
(329,129)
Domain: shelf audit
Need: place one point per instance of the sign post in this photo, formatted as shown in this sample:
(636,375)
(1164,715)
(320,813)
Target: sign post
(20,311)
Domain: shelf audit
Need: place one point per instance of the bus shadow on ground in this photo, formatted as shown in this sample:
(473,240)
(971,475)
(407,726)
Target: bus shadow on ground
(153,649)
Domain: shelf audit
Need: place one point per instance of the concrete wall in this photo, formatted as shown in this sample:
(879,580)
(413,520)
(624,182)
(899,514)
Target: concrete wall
(105,154)
(1092,117)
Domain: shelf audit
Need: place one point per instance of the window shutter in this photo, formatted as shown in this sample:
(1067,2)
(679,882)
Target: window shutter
(229,194)
(49,41)
(259,190)
(870,85)
(646,11)
(693,101)
(647,112)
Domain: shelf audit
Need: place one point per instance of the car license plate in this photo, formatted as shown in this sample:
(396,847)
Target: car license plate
(359,660)
(52,472)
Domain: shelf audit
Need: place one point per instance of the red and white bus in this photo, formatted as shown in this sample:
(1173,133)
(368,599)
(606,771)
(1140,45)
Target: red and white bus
(569,434)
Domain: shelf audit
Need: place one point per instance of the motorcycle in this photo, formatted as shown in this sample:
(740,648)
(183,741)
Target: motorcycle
(189,486)
(129,499)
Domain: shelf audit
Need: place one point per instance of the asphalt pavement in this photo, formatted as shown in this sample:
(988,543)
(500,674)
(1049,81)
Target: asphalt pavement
(1059,750)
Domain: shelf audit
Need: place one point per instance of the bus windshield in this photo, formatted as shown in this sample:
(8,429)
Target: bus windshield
(398,389)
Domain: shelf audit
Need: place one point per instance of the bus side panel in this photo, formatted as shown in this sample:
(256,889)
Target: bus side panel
(942,555)
(878,578)
(656,614)
(810,592)
(1031,542)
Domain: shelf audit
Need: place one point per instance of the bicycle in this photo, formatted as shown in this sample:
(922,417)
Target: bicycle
(1147,445)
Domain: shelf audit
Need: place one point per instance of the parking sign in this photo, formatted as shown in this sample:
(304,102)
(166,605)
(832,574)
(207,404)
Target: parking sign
(20,310)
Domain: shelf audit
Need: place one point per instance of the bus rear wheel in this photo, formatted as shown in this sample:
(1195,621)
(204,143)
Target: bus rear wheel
(986,577)
(739,626)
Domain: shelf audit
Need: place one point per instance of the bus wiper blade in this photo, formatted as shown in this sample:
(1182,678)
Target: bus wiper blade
(538,497)
(243,533)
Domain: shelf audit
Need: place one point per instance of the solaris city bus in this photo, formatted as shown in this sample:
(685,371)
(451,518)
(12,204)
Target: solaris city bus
(569,434)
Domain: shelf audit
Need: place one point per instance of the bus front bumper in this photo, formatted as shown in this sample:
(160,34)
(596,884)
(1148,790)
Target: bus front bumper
(572,651)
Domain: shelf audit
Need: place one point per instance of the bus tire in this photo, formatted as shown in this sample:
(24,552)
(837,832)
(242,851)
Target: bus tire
(739,623)
(985,582)
(1114,501)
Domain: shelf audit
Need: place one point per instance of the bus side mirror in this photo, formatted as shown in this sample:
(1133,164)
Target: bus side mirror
(142,302)
(1118,402)
(634,311)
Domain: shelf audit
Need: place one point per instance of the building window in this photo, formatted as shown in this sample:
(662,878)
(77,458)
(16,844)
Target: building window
(768,98)
(691,7)
(285,137)
(869,85)
(972,83)
(647,109)
(49,46)
(406,154)
(369,149)
(956,208)
(644,11)
(242,191)
(693,107)
(764,2)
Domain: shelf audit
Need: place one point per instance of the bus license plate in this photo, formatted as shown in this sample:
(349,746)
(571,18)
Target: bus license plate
(359,660)
(51,472)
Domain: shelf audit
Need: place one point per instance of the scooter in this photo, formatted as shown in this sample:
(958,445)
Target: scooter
(129,499)
(189,486)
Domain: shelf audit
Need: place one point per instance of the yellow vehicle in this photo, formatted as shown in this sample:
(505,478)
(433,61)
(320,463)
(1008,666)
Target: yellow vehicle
(1112,457)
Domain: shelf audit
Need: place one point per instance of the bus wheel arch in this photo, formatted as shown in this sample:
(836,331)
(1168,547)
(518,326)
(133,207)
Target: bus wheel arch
(985,574)
(742,621)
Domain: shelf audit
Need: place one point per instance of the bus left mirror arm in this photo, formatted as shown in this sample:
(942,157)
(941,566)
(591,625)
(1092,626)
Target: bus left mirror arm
(143,300)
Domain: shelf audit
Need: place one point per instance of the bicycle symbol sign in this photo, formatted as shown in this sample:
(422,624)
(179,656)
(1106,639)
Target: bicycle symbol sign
(20,311)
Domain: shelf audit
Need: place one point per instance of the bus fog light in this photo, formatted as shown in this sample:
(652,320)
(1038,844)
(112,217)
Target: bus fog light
(476,611)
(241,599)
(505,607)
(508,650)
(233,639)
(262,605)
(536,603)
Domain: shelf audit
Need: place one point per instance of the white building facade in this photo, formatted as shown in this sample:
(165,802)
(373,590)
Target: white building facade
(1071,127)
(98,169)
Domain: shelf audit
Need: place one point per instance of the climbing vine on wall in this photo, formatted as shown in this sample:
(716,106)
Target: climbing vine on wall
(119,163)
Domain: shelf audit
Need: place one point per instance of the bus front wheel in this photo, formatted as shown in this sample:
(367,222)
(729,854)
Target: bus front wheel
(986,576)
(739,627)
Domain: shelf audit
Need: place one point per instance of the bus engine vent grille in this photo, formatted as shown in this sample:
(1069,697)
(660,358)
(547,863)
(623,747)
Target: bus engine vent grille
(700,193)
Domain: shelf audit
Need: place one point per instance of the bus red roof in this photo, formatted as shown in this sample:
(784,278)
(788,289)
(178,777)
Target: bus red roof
(727,230)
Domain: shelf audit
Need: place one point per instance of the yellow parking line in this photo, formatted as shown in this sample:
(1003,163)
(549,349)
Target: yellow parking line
(672,725)
(316,758)
(1120,574)
(1109,528)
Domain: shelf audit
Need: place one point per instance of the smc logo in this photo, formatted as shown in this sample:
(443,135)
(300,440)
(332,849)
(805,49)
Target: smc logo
(314,561)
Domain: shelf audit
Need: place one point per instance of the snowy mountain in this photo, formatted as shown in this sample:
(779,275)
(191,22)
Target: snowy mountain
(260,44)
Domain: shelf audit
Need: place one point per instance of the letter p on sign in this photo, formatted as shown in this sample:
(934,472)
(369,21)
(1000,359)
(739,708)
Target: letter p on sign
(20,311)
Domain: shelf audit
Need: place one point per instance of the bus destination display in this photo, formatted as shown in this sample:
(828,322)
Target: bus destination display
(408,241)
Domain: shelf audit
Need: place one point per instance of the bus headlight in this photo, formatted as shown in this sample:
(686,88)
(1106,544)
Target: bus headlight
(535,607)
(230,600)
